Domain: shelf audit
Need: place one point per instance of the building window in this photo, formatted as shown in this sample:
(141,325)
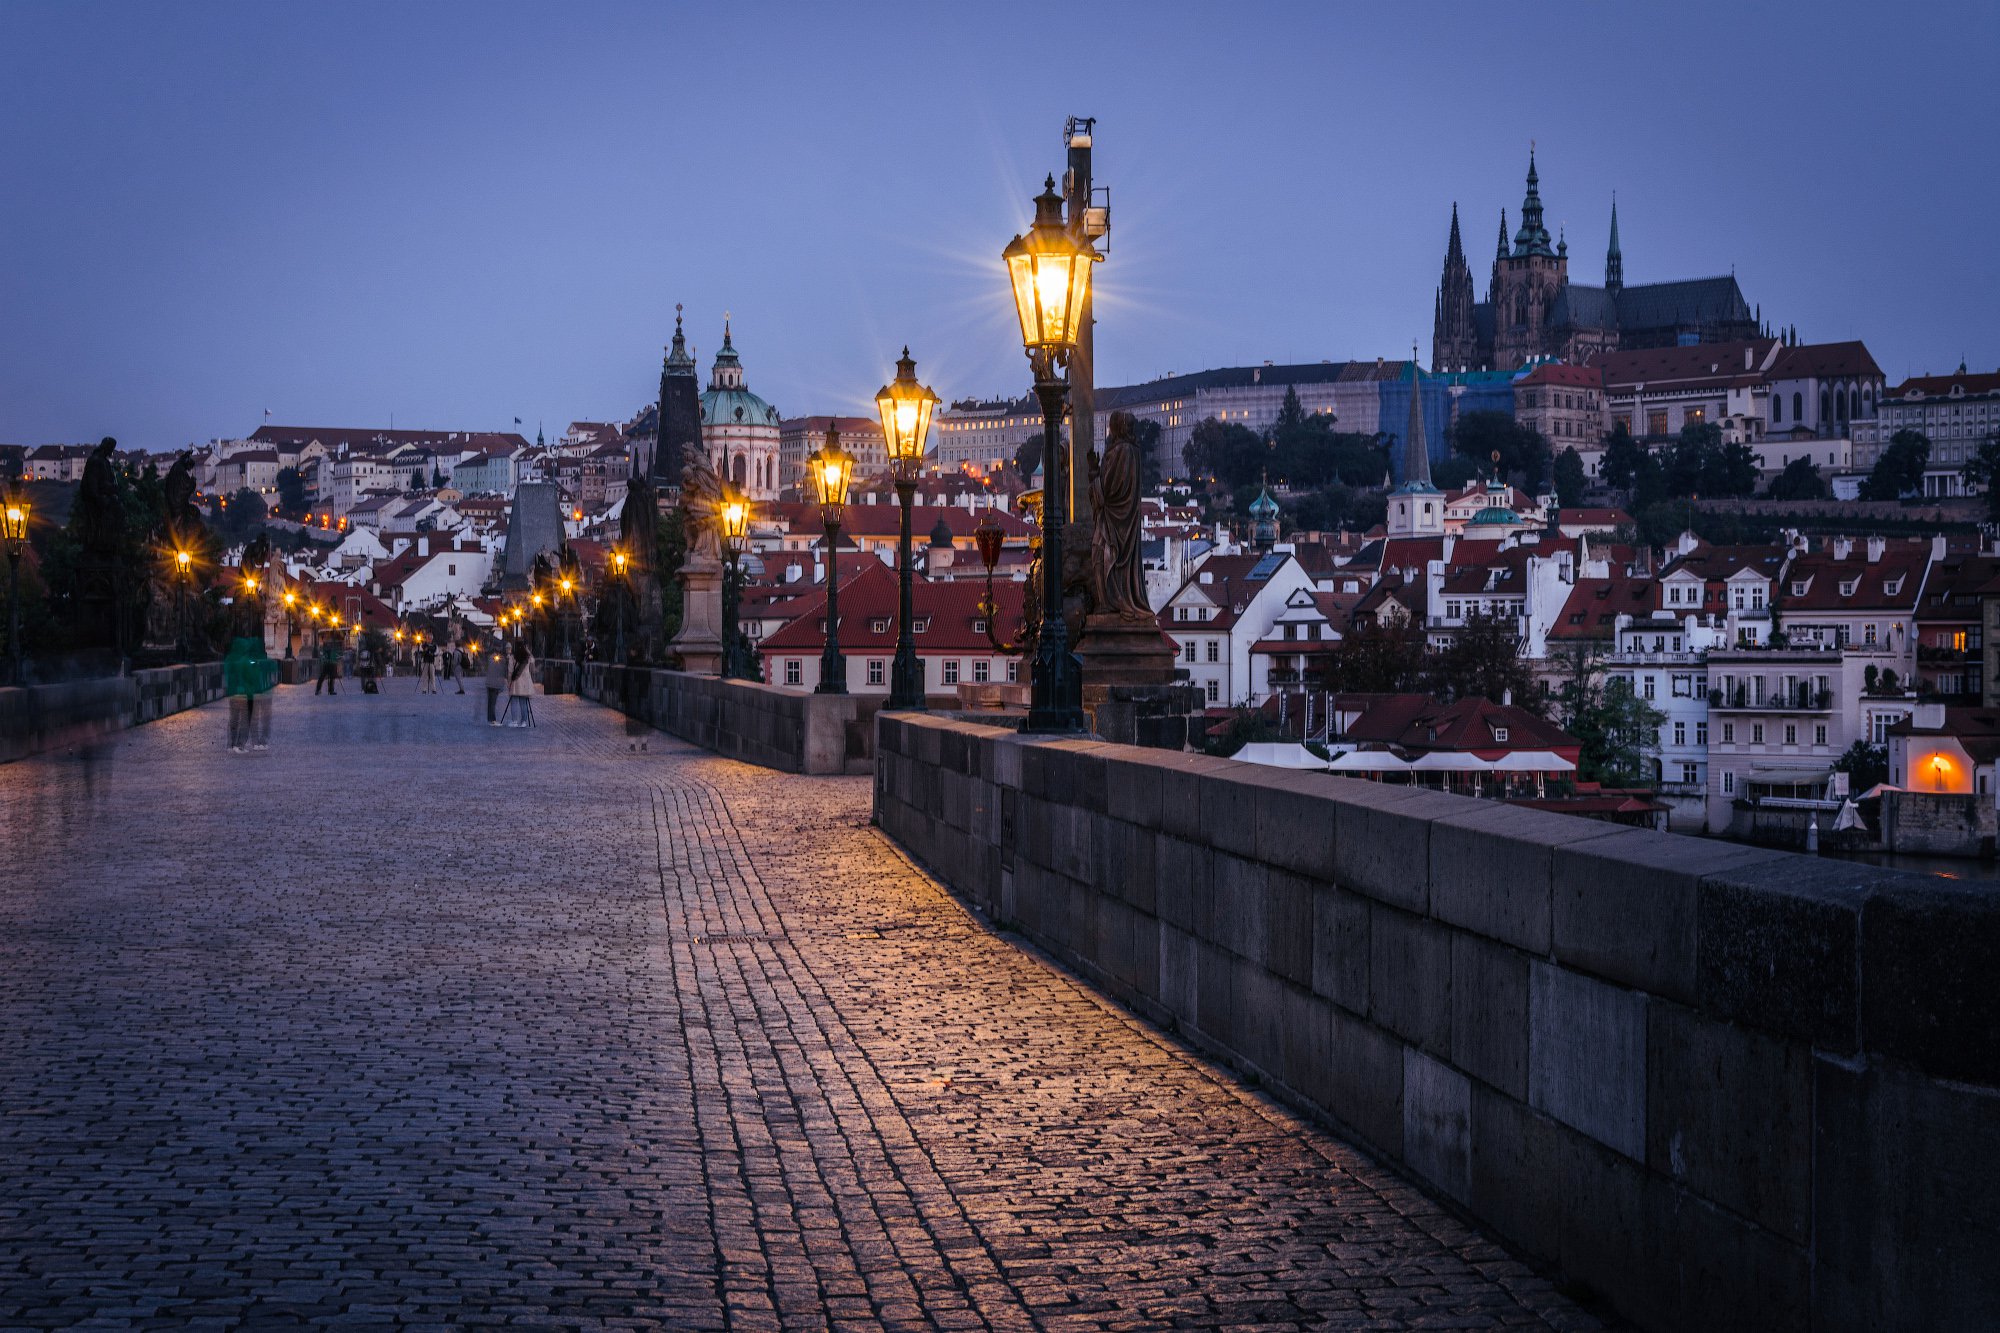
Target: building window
(1791,733)
(1690,774)
(1215,650)
(1188,650)
(1214,691)
(1798,408)
(792,676)
(1728,784)
(951,671)
(1013,669)
(1680,733)
(982,671)
(1649,687)
(1701,733)
(874,671)
(1756,733)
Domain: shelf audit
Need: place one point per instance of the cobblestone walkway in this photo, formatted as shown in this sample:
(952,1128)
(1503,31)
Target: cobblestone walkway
(412,1021)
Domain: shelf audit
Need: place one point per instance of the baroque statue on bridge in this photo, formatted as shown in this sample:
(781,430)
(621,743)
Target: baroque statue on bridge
(1117,578)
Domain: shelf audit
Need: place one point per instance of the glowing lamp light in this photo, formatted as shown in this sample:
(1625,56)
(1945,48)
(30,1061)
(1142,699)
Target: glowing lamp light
(1050,273)
(735,521)
(831,469)
(905,407)
(14,520)
(185,560)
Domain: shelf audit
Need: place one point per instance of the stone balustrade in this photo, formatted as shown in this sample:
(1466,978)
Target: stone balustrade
(1725,1087)
(47,717)
(790,730)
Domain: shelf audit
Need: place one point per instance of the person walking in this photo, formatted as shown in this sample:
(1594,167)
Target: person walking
(427,668)
(496,682)
(329,665)
(248,676)
(521,688)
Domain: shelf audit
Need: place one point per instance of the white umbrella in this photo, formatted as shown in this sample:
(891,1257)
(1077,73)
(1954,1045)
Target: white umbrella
(1532,761)
(1279,754)
(1368,761)
(1449,761)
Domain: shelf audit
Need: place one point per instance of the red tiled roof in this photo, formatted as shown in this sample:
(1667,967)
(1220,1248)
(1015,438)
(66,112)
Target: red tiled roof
(1592,609)
(1712,365)
(1940,386)
(1901,565)
(1825,361)
(1414,722)
(870,598)
(885,520)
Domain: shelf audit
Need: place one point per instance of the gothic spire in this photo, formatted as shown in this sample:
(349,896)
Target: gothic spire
(1533,237)
(679,362)
(1416,453)
(1503,235)
(1614,258)
(1455,250)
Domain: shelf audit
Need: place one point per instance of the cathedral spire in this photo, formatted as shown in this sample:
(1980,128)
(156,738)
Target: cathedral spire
(1455,250)
(1533,237)
(1614,258)
(1503,236)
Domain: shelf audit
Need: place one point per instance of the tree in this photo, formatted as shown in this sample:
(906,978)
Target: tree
(1524,454)
(1234,455)
(1624,457)
(1701,464)
(437,478)
(1454,473)
(1569,478)
(1982,472)
(1146,438)
(1246,725)
(1483,661)
(1865,765)
(291,492)
(1374,659)
(1616,728)
(1799,481)
(1900,469)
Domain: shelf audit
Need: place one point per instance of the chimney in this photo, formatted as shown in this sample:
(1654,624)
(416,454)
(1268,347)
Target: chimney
(1843,547)
(1875,545)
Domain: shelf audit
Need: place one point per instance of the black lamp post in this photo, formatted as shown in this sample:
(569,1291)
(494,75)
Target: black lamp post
(735,517)
(905,407)
(622,588)
(831,469)
(14,527)
(1049,270)
(183,575)
(291,627)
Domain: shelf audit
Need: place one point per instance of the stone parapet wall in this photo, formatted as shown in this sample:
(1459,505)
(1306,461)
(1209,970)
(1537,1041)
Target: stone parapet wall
(47,717)
(1723,1086)
(790,730)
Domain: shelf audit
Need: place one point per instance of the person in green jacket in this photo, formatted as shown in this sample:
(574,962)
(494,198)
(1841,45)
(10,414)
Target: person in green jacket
(248,674)
(329,664)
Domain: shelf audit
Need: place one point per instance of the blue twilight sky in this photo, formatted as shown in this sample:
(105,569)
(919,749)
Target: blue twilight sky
(456,214)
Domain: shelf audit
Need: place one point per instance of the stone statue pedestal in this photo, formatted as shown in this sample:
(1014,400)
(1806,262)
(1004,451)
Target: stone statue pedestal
(1118,651)
(699,641)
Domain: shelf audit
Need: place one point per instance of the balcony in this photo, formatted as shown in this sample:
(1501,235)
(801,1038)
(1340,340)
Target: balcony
(1740,701)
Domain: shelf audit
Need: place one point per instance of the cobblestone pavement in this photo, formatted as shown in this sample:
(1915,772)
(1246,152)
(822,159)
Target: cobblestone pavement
(412,1021)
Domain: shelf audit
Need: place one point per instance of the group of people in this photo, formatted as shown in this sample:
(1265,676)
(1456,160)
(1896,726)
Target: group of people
(428,656)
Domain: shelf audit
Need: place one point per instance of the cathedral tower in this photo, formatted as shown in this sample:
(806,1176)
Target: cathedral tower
(1614,258)
(680,413)
(1528,282)
(1454,334)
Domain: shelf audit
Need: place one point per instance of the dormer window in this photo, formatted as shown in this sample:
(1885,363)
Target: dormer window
(1799,587)
(919,626)
(1891,587)
(1500,735)
(1847,587)
(879,625)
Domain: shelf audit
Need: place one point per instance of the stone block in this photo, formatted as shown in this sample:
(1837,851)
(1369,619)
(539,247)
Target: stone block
(1146,955)
(1778,946)
(1905,1219)
(1365,1079)
(1132,790)
(1382,841)
(1625,905)
(1179,993)
(1295,828)
(1186,880)
(1729,1115)
(1930,954)
(1071,829)
(1614,1234)
(1409,978)
(1113,950)
(1256,1013)
(1489,1012)
(1303,1038)
(1437,1123)
(1214,980)
(1242,891)
(1229,812)
(1587,1056)
(1340,947)
(1124,856)
(1492,868)
(1003,760)
(1515,1177)
(1288,927)
(1733,1275)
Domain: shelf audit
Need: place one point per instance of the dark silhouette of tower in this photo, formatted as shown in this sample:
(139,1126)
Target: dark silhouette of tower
(1454,334)
(680,413)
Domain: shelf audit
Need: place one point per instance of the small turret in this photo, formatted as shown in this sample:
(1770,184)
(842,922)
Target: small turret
(1614,258)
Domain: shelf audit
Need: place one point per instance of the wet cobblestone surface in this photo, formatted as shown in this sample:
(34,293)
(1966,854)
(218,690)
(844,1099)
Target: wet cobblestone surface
(411,1021)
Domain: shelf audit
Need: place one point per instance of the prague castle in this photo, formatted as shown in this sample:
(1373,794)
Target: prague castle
(1533,311)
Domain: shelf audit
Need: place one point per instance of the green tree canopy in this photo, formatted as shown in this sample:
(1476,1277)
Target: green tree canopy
(1982,472)
(1371,659)
(1799,481)
(1570,478)
(1899,471)
(291,492)
(1624,459)
(1524,454)
(1483,661)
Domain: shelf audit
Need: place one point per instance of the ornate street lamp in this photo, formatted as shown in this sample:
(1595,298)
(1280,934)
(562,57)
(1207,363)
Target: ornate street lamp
(183,575)
(905,407)
(620,567)
(291,603)
(831,469)
(1049,270)
(14,528)
(568,586)
(735,520)
(989,537)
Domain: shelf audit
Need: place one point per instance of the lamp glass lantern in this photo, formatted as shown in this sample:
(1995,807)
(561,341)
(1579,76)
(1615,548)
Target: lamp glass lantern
(831,469)
(735,523)
(14,520)
(1049,269)
(905,407)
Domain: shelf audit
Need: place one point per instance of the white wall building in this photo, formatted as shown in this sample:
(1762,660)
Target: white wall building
(1226,607)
